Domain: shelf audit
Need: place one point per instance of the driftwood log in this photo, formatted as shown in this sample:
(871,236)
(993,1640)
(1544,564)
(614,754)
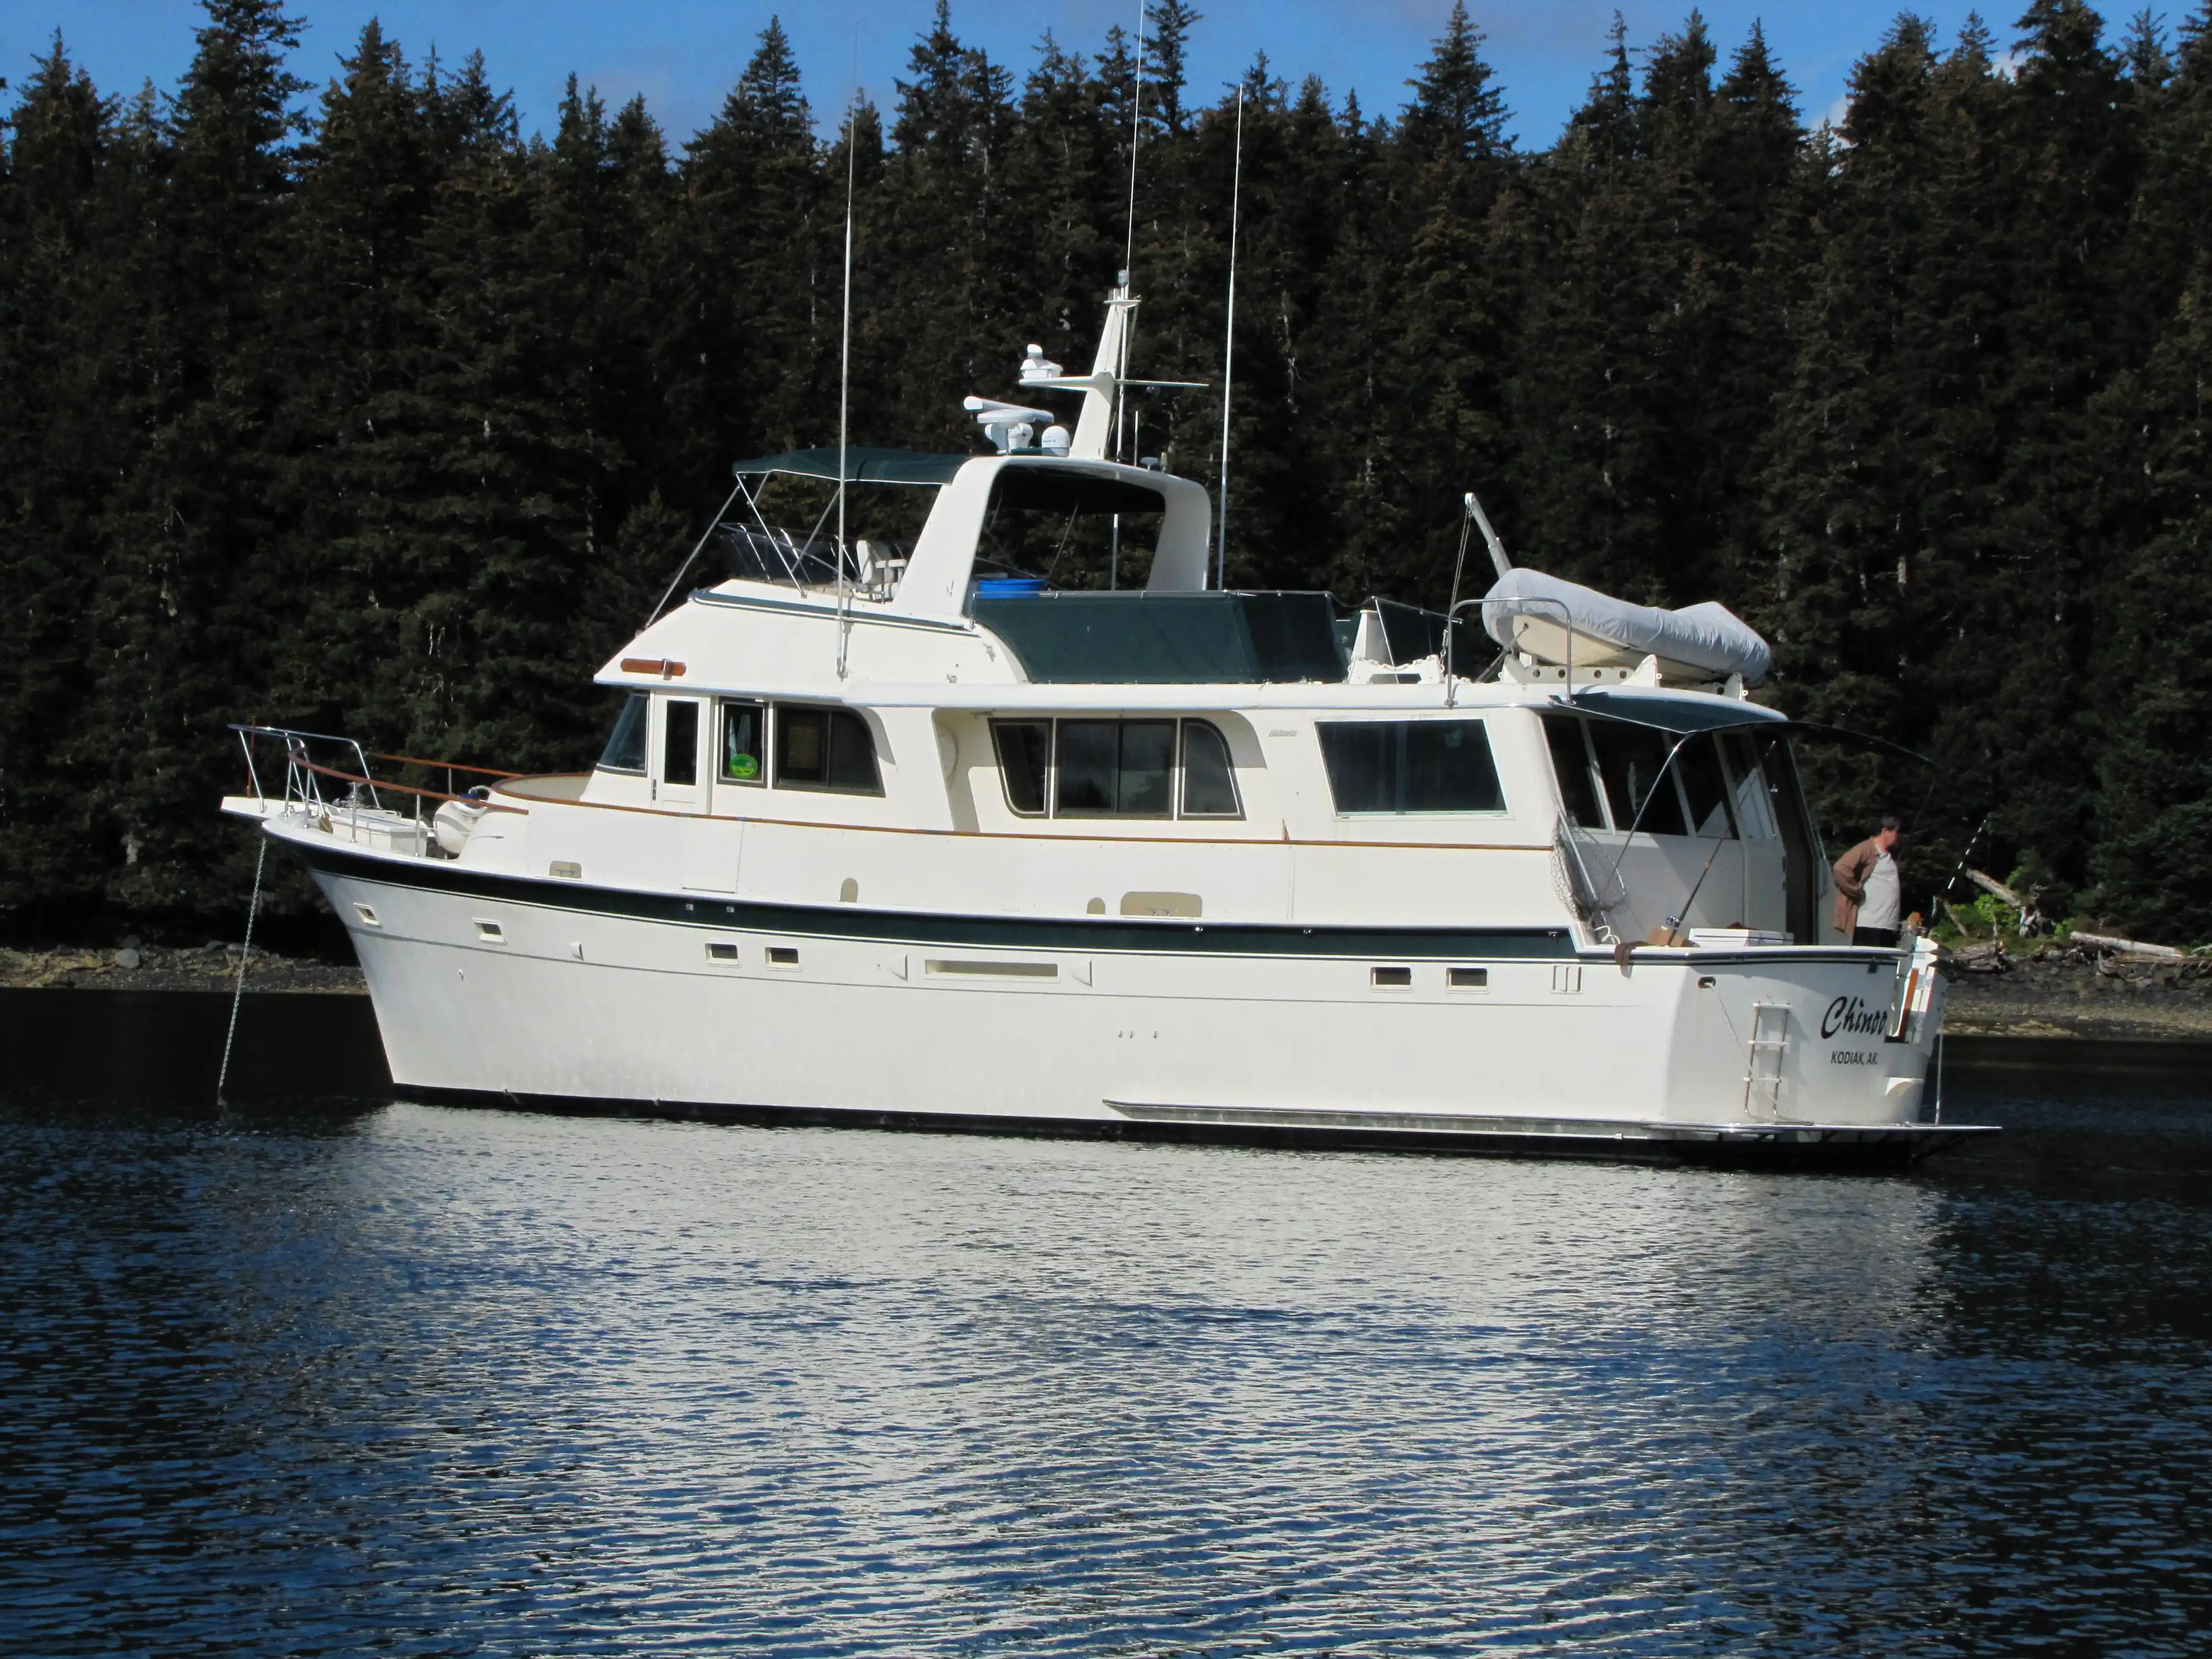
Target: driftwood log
(2134,947)
(2030,919)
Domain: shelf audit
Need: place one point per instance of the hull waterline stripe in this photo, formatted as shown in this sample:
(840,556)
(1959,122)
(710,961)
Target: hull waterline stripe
(1563,1128)
(920,929)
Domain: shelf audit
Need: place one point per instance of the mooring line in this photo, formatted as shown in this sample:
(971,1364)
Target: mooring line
(237,995)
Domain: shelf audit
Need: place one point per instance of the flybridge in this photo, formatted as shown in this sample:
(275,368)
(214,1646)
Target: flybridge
(973,560)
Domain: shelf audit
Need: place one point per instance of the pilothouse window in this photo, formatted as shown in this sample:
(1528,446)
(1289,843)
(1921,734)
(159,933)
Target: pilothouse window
(744,742)
(626,744)
(824,748)
(1137,769)
(1410,766)
(1209,782)
(1116,769)
(1025,762)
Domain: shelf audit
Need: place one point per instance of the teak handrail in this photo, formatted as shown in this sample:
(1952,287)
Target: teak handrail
(407,788)
(450,766)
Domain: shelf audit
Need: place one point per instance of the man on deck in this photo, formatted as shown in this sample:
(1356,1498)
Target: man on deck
(1869,897)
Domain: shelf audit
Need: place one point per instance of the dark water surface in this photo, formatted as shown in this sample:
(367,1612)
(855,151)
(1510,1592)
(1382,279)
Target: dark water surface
(326,1373)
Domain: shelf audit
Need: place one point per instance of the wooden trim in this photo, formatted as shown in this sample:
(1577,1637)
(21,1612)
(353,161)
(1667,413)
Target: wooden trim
(450,766)
(402,788)
(659,667)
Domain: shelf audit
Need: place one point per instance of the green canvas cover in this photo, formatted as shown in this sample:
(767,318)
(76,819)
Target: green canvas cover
(1169,638)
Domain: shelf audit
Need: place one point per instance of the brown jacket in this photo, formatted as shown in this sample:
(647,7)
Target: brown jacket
(1851,872)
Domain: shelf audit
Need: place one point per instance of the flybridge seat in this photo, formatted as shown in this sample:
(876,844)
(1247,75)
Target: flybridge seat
(1554,621)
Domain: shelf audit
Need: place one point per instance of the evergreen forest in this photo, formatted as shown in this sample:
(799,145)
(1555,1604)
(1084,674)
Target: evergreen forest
(355,407)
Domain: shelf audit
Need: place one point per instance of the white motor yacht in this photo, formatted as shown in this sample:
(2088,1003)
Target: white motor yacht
(885,835)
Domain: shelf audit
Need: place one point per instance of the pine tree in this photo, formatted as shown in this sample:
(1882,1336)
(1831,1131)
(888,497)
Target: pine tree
(192,599)
(396,420)
(2153,794)
(758,275)
(2073,159)
(69,196)
(941,205)
(361,437)
(1440,427)
(1167,37)
(1586,396)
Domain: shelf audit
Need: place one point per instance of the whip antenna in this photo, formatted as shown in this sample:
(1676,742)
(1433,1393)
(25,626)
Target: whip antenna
(1129,251)
(1229,344)
(1229,340)
(1136,109)
(845,388)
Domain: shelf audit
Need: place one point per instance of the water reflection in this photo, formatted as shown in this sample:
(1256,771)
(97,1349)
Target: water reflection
(321,1374)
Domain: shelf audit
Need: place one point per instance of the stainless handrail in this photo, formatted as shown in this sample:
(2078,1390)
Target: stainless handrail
(300,771)
(1566,619)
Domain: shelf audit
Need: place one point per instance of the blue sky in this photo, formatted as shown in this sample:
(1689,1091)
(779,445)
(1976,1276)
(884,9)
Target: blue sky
(683,55)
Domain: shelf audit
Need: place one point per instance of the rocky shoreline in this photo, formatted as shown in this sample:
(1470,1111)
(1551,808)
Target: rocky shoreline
(2059,990)
(2049,991)
(135,967)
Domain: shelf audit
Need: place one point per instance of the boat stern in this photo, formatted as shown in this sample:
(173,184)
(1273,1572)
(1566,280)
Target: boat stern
(1784,1035)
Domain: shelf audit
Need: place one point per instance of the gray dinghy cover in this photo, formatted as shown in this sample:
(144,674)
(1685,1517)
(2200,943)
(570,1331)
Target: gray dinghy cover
(1708,636)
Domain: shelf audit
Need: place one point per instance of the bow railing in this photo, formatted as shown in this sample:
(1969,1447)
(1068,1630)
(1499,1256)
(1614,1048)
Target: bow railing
(312,760)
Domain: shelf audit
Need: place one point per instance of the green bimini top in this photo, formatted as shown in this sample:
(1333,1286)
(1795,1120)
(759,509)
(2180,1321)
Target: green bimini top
(1168,639)
(890,466)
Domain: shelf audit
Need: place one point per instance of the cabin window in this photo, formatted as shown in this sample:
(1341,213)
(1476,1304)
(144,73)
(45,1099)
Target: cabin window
(1094,769)
(1571,763)
(1209,782)
(824,748)
(627,743)
(1704,787)
(1025,762)
(744,743)
(1632,762)
(679,742)
(1410,766)
(1116,769)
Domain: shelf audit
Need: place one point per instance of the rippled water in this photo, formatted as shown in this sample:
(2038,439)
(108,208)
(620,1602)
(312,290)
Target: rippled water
(327,1373)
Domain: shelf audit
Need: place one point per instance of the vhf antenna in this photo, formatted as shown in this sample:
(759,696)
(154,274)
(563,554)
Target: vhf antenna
(1229,339)
(845,384)
(1129,245)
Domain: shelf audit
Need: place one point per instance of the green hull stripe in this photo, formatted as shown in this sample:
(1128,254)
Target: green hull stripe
(921,928)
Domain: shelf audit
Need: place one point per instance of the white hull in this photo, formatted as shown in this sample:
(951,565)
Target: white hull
(543,990)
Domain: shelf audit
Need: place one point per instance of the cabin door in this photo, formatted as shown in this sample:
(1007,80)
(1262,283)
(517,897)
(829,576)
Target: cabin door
(679,740)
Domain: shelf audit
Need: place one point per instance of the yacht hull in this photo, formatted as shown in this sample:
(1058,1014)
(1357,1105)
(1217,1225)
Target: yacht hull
(553,993)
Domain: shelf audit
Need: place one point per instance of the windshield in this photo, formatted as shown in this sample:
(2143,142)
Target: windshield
(625,749)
